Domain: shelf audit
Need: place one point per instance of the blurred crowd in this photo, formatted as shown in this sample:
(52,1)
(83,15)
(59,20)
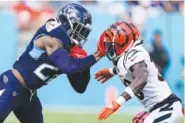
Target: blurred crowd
(31,14)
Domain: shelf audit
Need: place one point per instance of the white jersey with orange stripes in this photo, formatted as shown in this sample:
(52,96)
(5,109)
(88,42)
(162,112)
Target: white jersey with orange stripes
(156,89)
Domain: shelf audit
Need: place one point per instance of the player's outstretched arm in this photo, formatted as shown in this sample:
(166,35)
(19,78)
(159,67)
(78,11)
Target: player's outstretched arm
(139,73)
(61,58)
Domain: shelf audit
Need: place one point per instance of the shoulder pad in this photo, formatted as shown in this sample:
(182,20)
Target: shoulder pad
(54,29)
(132,57)
(51,19)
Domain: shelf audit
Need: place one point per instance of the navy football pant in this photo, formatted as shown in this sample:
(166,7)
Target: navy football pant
(14,97)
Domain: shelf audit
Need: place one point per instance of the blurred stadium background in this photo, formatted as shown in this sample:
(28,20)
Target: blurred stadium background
(158,21)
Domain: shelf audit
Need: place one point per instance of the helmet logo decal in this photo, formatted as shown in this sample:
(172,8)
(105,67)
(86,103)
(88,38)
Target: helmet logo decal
(76,21)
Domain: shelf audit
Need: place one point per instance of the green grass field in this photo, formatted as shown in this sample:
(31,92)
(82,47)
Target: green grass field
(58,117)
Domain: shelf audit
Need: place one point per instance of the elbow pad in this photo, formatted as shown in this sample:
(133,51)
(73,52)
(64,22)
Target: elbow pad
(70,65)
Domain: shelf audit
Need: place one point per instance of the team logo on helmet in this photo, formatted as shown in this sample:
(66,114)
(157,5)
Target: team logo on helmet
(76,20)
(118,37)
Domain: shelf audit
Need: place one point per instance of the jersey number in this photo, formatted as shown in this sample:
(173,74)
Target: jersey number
(46,72)
(139,95)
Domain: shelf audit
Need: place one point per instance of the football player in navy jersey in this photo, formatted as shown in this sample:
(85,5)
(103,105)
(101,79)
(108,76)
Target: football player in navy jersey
(56,48)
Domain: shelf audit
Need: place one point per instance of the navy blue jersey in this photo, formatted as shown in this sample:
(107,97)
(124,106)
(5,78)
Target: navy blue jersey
(34,65)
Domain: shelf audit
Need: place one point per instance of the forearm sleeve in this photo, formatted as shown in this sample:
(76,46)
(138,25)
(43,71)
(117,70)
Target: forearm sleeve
(71,65)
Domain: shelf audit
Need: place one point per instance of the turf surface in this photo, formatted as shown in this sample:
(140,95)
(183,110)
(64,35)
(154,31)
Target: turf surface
(60,117)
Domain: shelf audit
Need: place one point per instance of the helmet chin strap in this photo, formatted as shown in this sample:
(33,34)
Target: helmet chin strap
(75,41)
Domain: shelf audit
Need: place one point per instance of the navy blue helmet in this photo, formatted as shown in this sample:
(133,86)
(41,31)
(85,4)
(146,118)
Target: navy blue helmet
(77,21)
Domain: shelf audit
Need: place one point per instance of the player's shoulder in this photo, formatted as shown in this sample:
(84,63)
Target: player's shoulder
(135,54)
(54,29)
(51,24)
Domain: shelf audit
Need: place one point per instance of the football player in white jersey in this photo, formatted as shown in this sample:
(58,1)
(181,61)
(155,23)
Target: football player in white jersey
(132,63)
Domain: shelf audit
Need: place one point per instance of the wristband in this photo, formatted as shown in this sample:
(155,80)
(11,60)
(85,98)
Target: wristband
(111,71)
(129,91)
(120,100)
